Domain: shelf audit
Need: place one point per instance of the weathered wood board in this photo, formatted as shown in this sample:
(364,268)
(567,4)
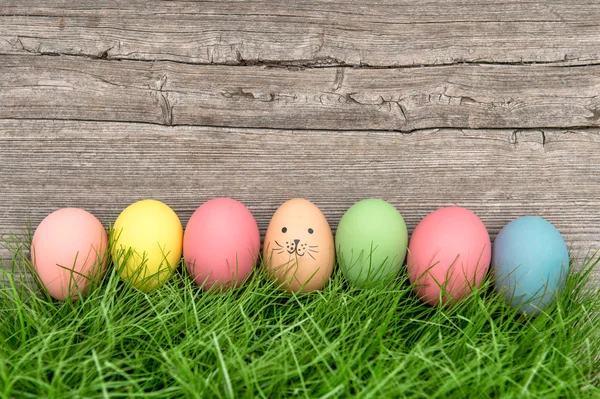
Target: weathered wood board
(500,174)
(472,96)
(422,103)
(353,32)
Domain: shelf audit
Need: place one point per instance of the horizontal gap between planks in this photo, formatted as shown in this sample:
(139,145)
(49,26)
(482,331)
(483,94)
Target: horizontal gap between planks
(327,62)
(229,127)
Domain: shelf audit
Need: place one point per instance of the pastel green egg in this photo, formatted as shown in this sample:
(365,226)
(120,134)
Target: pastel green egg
(371,241)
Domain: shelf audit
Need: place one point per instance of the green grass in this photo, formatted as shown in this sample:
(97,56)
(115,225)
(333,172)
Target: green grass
(179,341)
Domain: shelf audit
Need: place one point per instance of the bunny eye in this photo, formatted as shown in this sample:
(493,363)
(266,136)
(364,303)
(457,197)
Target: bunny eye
(284,230)
(310,231)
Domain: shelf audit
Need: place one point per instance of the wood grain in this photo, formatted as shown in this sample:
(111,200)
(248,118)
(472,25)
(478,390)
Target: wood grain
(499,174)
(423,103)
(307,32)
(473,96)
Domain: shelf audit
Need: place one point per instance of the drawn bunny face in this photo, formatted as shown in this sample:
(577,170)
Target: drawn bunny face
(299,249)
(297,242)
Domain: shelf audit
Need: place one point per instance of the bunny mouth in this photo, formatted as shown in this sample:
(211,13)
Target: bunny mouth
(297,248)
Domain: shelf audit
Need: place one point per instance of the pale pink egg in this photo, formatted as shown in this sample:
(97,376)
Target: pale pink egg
(68,252)
(221,243)
(449,250)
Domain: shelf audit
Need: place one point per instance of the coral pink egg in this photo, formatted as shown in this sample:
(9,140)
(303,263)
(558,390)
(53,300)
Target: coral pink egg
(449,248)
(68,252)
(221,243)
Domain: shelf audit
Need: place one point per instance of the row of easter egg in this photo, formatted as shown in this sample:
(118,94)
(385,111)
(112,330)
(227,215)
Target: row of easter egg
(449,252)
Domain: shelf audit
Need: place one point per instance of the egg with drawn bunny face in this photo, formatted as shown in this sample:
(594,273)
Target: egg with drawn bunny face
(299,251)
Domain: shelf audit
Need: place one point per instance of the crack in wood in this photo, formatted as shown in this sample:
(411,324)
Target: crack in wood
(595,115)
(543,139)
(402,110)
(263,97)
(102,55)
(162,96)
(575,129)
(533,138)
(321,42)
(339,79)
(316,62)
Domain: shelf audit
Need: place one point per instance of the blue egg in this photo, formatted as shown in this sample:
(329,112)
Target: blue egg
(530,262)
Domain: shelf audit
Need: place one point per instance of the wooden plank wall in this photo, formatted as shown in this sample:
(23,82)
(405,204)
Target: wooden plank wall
(422,103)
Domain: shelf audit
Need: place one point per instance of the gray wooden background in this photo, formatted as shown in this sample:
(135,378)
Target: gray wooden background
(428,103)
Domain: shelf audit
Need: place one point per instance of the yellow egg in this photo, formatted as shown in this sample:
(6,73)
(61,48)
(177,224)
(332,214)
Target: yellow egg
(147,243)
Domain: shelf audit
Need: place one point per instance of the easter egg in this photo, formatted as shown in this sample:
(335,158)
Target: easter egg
(68,252)
(298,251)
(449,254)
(371,241)
(530,263)
(147,244)
(221,243)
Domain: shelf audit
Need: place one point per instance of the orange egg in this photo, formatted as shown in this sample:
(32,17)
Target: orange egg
(299,252)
